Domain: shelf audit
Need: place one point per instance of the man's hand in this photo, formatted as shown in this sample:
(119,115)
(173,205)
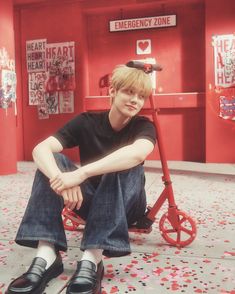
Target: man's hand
(67,180)
(72,197)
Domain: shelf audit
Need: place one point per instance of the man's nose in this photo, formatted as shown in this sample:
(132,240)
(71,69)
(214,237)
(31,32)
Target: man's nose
(134,98)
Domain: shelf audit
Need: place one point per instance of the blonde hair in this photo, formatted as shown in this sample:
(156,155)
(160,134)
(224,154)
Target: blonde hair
(124,77)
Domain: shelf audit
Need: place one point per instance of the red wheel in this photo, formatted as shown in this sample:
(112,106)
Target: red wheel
(178,229)
(71,220)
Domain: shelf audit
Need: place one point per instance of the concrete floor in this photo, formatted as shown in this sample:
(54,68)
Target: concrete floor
(205,191)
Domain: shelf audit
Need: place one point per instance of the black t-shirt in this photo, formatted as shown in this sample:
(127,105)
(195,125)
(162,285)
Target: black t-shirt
(95,137)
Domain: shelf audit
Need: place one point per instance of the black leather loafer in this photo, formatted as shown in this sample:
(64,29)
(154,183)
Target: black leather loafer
(86,279)
(35,279)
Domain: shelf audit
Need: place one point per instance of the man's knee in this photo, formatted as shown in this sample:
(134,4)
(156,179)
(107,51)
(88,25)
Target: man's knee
(63,162)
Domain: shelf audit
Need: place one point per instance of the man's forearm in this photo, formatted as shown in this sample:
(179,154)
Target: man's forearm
(45,161)
(122,159)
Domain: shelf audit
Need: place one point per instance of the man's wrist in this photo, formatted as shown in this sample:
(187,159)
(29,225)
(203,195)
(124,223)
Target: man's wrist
(82,173)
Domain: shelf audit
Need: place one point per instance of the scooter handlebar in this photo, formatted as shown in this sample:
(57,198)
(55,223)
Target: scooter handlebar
(146,67)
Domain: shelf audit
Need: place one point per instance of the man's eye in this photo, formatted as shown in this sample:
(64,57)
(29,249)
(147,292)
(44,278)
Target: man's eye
(142,97)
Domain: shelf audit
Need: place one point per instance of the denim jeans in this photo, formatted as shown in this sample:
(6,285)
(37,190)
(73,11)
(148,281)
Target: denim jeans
(117,202)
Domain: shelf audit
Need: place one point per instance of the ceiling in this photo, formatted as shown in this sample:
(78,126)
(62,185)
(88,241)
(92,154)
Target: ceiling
(101,6)
(100,2)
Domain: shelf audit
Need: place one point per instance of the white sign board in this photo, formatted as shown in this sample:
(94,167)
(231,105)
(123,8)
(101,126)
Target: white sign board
(142,23)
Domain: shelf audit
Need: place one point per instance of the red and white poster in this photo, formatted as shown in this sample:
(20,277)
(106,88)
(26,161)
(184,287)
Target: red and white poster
(66,99)
(36,87)
(60,65)
(51,69)
(8,88)
(227,107)
(224,60)
(51,99)
(7,79)
(43,111)
(35,55)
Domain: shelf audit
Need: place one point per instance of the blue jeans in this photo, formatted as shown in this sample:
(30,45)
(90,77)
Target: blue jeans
(117,202)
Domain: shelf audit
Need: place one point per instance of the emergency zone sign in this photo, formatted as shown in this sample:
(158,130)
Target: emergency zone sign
(142,23)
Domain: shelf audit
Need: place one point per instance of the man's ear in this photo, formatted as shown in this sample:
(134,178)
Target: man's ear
(112,92)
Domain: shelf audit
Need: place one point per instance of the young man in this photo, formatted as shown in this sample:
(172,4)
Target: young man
(107,190)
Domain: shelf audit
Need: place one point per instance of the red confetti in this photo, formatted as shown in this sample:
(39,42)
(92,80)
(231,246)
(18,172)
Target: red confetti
(64,278)
(175,286)
(158,271)
(229,253)
(114,289)
(165,280)
(206,260)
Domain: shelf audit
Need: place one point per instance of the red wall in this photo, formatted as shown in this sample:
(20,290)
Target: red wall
(179,49)
(220,134)
(60,23)
(8,155)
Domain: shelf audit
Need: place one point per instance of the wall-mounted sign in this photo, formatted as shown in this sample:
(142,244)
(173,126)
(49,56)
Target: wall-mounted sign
(224,60)
(142,23)
(143,47)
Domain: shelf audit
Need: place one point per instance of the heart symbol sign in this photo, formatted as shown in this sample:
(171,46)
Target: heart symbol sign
(143,46)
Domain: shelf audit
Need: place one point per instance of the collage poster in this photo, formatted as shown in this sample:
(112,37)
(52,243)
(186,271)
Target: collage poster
(7,80)
(224,69)
(51,81)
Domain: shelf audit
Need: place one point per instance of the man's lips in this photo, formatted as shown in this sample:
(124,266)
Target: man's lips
(131,107)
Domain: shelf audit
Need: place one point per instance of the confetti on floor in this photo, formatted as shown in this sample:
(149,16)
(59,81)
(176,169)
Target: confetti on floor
(205,266)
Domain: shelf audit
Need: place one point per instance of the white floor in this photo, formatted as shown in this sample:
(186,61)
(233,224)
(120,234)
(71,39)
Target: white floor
(205,191)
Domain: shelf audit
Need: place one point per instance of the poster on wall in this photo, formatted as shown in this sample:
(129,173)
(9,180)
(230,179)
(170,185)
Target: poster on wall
(227,107)
(42,111)
(35,55)
(7,88)
(60,65)
(7,79)
(66,99)
(224,60)
(224,68)
(51,99)
(37,87)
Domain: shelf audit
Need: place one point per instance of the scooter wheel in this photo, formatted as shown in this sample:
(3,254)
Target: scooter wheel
(71,221)
(69,225)
(179,231)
